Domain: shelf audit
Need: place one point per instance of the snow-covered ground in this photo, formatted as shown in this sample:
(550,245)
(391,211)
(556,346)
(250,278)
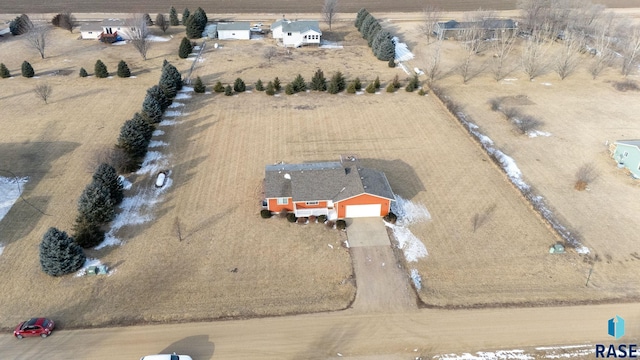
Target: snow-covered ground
(515,176)
(157,38)
(325,44)
(10,190)
(402,50)
(567,352)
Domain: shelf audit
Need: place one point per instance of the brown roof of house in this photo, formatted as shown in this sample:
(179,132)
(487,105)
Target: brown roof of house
(324,181)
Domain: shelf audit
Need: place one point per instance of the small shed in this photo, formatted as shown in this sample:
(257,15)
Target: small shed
(627,154)
(239,30)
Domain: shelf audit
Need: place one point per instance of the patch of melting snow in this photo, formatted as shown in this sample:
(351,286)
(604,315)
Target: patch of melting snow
(536,133)
(173,113)
(498,355)
(10,190)
(182,95)
(175,104)
(402,50)
(126,184)
(417,280)
(546,84)
(154,162)
(403,67)
(167,122)
(157,143)
(117,43)
(157,38)
(510,79)
(408,213)
(324,44)
(157,133)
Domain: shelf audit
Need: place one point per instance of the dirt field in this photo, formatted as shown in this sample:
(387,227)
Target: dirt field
(217,154)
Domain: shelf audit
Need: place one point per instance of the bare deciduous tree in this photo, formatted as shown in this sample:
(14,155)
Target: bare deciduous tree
(526,123)
(432,69)
(631,51)
(162,22)
(43,91)
(472,38)
(585,175)
(430,15)
(533,57)
(37,38)
(602,47)
(568,58)
(138,33)
(269,53)
(329,11)
(501,46)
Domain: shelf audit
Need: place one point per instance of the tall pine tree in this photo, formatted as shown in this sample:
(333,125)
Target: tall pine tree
(173,17)
(59,255)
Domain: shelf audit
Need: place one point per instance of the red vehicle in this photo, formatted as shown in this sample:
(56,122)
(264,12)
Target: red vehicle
(34,327)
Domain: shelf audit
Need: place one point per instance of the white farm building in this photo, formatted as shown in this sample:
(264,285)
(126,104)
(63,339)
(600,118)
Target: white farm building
(296,33)
(239,30)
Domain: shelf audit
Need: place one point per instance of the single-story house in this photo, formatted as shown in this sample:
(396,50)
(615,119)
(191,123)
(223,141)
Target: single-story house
(296,33)
(454,29)
(108,28)
(336,189)
(627,154)
(239,30)
(91,31)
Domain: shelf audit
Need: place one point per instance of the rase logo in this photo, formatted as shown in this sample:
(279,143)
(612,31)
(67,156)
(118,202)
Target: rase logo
(615,329)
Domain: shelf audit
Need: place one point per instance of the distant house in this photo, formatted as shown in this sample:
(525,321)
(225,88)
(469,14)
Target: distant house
(239,30)
(296,33)
(454,29)
(627,154)
(336,189)
(108,30)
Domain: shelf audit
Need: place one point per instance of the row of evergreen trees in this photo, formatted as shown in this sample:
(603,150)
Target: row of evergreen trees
(62,254)
(194,23)
(379,40)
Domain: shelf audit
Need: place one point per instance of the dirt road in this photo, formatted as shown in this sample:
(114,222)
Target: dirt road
(323,336)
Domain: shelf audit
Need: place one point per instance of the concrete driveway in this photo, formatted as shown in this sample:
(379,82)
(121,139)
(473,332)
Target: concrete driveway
(367,232)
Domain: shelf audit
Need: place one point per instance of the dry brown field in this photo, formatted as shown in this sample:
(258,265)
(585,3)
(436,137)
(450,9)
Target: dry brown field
(217,154)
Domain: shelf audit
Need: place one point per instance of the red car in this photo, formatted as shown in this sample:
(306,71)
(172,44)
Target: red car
(34,327)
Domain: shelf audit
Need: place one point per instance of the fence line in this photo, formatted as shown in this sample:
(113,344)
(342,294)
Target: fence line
(187,79)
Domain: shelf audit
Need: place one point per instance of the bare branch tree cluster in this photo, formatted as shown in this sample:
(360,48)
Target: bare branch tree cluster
(37,38)
(568,58)
(43,91)
(431,15)
(502,46)
(329,11)
(138,34)
(433,69)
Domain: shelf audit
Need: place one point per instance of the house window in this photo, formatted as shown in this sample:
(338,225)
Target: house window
(288,34)
(283,201)
(305,37)
(312,203)
(233,34)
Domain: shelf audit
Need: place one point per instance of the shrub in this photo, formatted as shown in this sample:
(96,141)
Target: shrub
(626,85)
(396,82)
(265,214)
(585,175)
(322,219)
(299,84)
(59,255)
(392,63)
(422,92)
(239,86)
(199,87)
(413,84)
(259,85)
(526,123)
(83,72)
(291,217)
(511,113)
(276,84)
(162,23)
(318,81)
(376,82)
(27,70)
(391,218)
(371,88)
(302,220)
(495,103)
(4,72)
(218,87)
(391,88)
(228,91)
(339,80)
(123,69)
(270,90)
(185,48)
(341,224)
(289,89)
(330,224)
(100,70)
(351,89)
(358,84)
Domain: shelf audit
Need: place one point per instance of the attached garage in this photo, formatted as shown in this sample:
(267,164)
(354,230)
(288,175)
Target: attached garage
(356,211)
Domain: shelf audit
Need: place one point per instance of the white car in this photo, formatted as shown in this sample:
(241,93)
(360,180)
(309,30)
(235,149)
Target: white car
(166,357)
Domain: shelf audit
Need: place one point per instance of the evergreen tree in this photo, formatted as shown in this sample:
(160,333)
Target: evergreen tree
(299,84)
(228,91)
(351,88)
(170,80)
(288,89)
(371,88)
(4,72)
(27,70)
(332,88)
(338,80)
(392,63)
(218,87)
(413,84)
(107,176)
(270,90)
(196,24)
(318,81)
(147,19)
(386,49)
(59,255)
(96,205)
(158,93)
(134,138)
(239,86)
(199,87)
(100,70)
(83,72)
(357,84)
(86,234)
(373,31)
(123,69)
(173,17)
(366,24)
(362,13)
(391,88)
(396,82)
(276,84)
(376,82)
(259,85)
(185,48)
(151,109)
(185,16)
(162,23)
(20,25)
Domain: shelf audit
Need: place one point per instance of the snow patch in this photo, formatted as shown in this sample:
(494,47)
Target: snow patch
(153,163)
(408,213)
(157,133)
(536,133)
(498,355)
(5,31)
(167,122)
(417,280)
(411,246)
(180,96)
(175,104)
(157,143)
(325,44)
(88,262)
(10,190)
(402,50)
(1,248)
(173,113)
(403,67)
(186,89)
(117,43)
(126,184)
(157,38)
